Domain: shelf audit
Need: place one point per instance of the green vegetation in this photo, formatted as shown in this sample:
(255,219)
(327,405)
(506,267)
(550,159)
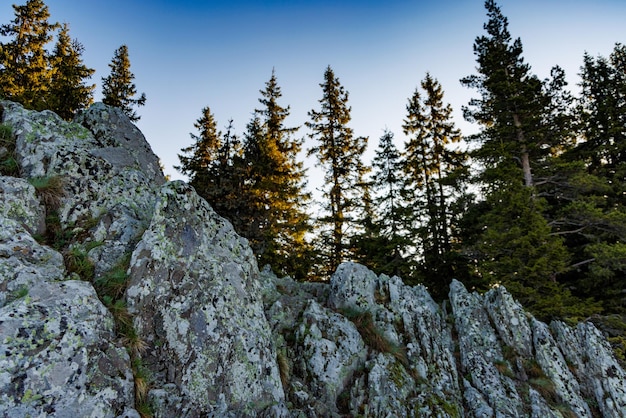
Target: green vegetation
(340,155)
(373,336)
(8,163)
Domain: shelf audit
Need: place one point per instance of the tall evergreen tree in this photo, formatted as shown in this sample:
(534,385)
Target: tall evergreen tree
(277,187)
(68,91)
(515,141)
(25,71)
(383,245)
(511,104)
(118,88)
(213,165)
(339,153)
(433,174)
(591,210)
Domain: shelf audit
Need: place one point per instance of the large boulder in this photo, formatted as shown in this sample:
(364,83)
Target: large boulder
(195,296)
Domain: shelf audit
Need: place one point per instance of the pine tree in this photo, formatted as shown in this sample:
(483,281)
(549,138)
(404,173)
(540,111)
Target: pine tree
(25,72)
(433,174)
(118,88)
(68,92)
(339,153)
(590,210)
(279,223)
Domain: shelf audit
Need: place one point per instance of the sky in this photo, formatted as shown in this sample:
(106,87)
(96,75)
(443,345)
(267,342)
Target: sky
(189,54)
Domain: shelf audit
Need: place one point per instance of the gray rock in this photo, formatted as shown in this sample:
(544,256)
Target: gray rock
(59,356)
(598,372)
(552,362)
(195,295)
(24,263)
(18,201)
(480,350)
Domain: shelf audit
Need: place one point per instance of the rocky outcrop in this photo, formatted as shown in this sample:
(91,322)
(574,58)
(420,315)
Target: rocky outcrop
(122,295)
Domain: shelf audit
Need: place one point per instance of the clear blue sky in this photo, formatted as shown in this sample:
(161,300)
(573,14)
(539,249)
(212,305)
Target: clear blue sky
(190,54)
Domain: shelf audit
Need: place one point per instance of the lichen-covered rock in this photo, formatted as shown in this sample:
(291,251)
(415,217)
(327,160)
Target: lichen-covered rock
(98,172)
(480,350)
(331,351)
(24,263)
(18,201)
(554,366)
(599,373)
(58,355)
(510,320)
(120,142)
(195,295)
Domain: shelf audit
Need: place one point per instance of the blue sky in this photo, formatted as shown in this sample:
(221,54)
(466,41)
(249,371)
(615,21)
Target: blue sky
(190,54)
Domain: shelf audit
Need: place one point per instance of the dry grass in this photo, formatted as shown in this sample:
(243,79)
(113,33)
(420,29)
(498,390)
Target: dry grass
(50,190)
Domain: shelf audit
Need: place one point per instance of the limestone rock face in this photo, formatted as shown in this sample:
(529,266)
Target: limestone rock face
(215,337)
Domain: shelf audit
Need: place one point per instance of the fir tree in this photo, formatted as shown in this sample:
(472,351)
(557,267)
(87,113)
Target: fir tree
(383,245)
(277,197)
(339,153)
(25,72)
(511,104)
(118,88)
(516,245)
(68,92)
(433,174)
(213,165)
(589,207)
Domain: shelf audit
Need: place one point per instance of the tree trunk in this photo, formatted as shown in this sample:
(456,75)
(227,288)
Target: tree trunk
(525,158)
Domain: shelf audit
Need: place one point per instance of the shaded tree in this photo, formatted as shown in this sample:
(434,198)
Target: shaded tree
(68,91)
(25,72)
(213,165)
(339,153)
(383,245)
(514,143)
(118,88)
(433,176)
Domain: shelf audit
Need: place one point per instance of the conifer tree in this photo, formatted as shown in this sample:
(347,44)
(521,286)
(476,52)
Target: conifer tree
(213,165)
(118,88)
(515,245)
(511,105)
(339,153)
(68,92)
(383,245)
(25,72)
(433,174)
(277,197)
(589,211)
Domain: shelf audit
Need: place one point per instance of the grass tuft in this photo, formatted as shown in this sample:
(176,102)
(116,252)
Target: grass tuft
(283,367)
(50,190)
(373,337)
